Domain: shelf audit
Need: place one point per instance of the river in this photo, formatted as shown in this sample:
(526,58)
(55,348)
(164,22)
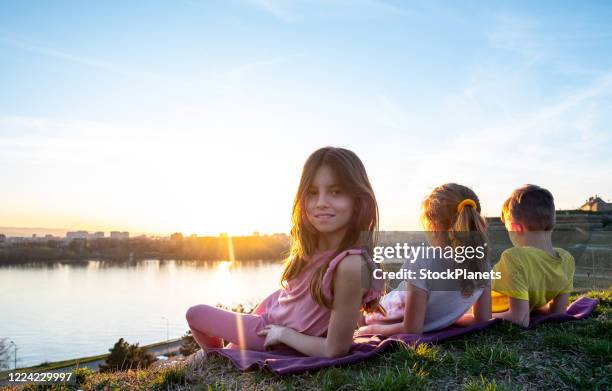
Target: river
(65,310)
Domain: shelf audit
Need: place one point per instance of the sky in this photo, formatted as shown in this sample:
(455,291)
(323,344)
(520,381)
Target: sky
(197,116)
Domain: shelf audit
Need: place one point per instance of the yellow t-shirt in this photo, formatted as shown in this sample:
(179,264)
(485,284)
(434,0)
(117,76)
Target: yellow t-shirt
(529,273)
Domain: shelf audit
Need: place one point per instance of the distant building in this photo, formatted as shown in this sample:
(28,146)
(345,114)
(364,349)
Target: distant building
(177,236)
(119,235)
(2,238)
(596,204)
(77,235)
(97,235)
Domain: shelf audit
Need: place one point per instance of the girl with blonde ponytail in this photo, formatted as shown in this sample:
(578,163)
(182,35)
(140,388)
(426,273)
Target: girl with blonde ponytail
(451,218)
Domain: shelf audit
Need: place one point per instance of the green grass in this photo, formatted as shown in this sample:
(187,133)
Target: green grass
(46,366)
(54,365)
(482,384)
(170,377)
(396,379)
(562,356)
(488,358)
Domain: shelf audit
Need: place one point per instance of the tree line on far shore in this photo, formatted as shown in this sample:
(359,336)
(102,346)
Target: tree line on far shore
(206,248)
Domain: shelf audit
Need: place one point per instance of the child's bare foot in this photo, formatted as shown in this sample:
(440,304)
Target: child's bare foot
(197,360)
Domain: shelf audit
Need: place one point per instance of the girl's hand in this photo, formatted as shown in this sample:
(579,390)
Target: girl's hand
(369,329)
(274,335)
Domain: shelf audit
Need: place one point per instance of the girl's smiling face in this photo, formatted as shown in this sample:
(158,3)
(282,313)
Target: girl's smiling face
(328,207)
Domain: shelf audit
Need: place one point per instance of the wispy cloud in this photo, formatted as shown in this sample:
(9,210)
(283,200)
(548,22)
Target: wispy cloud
(545,40)
(240,72)
(273,7)
(561,144)
(60,143)
(112,67)
(293,10)
(228,78)
(518,34)
(500,131)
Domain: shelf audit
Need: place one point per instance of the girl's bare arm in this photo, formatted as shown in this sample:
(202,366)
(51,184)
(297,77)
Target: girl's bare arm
(414,316)
(518,312)
(348,291)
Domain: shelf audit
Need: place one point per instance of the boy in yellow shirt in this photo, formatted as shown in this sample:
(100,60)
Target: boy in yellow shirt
(534,274)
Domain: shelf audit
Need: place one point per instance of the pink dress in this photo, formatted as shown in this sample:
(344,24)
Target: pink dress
(292,307)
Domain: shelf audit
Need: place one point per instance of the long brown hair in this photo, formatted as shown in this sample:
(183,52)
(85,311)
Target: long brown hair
(464,227)
(362,228)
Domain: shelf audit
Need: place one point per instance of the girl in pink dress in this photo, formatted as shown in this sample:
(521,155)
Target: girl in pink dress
(335,220)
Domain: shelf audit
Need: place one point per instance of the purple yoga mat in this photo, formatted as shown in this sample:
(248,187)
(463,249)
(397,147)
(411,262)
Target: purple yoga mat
(367,346)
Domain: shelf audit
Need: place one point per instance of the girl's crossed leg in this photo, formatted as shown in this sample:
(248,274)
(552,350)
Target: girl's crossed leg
(211,325)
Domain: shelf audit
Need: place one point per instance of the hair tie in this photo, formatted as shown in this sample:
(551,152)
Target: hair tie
(466,202)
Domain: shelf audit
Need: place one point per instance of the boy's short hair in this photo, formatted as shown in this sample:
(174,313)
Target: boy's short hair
(531,206)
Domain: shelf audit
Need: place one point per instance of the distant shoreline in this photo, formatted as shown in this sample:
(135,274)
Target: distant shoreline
(206,248)
(128,261)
